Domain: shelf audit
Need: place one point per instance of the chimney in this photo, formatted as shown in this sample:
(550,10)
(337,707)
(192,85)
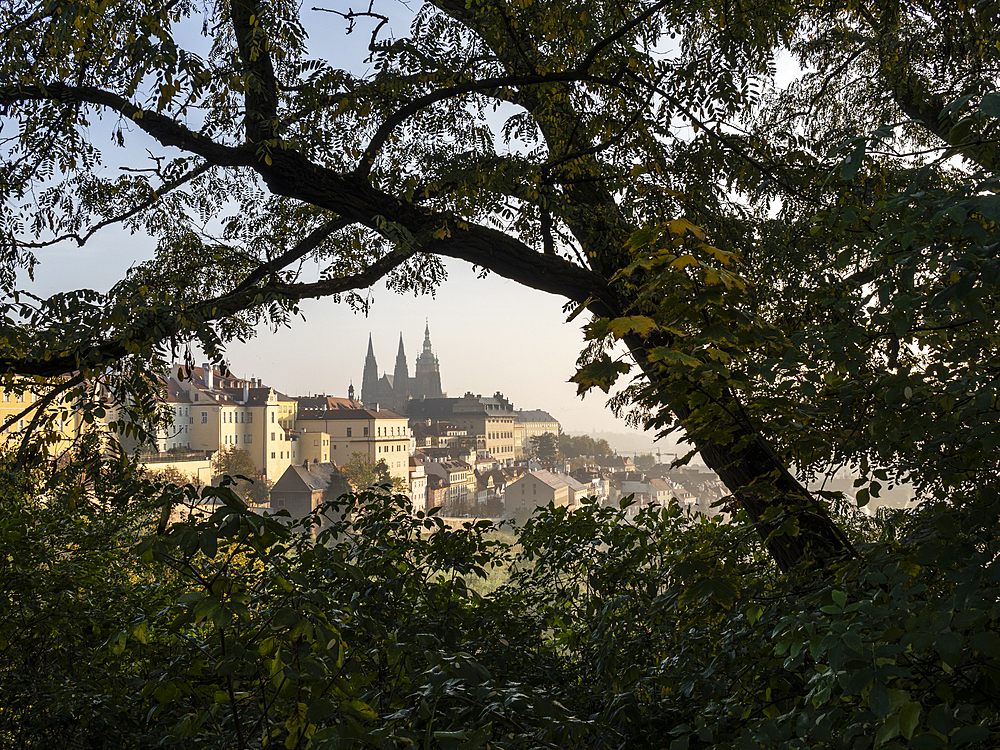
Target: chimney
(209,376)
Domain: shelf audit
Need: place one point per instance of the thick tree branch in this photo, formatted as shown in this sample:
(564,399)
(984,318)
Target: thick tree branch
(261,89)
(164,129)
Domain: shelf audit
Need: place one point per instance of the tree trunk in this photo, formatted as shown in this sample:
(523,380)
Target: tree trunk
(763,486)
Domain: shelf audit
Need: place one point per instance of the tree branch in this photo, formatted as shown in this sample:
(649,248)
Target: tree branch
(164,129)
(81,240)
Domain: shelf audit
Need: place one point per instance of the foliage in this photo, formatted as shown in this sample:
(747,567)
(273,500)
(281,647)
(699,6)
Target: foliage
(364,473)
(726,232)
(362,625)
(572,446)
(236,463)
(337,486)
(545,447)
(645,461)
(172,475)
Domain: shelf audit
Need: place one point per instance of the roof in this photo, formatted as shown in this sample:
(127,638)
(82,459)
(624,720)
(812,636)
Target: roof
(348,413)
(533,415)
(297,477)
(553,480)
(325,402)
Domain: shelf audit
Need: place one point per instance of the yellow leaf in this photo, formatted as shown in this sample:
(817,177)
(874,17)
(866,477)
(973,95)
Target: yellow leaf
(680,227)
(267,159)
(684,261)
(638,323)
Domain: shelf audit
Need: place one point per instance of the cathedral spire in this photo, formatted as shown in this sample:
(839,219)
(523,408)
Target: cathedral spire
(427,379)
(400,381)
(369,381)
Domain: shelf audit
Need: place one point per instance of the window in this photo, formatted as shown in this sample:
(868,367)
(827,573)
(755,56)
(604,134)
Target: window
(20,398)
(243,416)
(272,454)
(272,417)
(315,442)
(204,417)
(366,432)
(249,417)
(6,396)
(348,432)
(248,438)
(272,436)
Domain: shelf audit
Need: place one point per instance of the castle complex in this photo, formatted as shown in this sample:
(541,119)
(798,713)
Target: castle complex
(394,391)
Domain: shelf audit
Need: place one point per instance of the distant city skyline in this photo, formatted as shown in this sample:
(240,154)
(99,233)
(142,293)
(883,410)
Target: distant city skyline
(490,334)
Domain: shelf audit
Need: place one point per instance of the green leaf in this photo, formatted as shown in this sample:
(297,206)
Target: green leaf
(909,719)
(601,373)
(850,166)
(969,734)
(878,700)
(989,105)
(887,731)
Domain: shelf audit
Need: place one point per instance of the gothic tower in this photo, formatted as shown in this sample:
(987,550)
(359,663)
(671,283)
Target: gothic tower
(427,380)
(400,381)
(369,382)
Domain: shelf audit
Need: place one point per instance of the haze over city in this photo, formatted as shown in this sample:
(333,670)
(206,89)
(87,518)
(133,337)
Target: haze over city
(490,334)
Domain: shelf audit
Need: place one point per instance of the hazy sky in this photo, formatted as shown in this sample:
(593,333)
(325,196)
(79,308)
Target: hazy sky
(489,334)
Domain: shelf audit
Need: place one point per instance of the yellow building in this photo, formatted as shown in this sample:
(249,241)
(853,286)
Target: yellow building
(66,422)
(378,434)
(530,423)
(222,410)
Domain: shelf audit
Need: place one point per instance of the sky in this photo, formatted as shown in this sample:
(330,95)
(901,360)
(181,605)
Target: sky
(489,334)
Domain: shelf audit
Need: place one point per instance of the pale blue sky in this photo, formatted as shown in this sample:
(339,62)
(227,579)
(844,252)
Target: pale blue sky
(489,334)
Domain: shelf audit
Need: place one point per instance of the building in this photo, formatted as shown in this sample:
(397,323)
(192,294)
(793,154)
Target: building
(418,484)
(457,477)
(67,422)
(299,490)
(537,489)
(395,391)
(379,434)
(220,410)
(530,423)
(489,419)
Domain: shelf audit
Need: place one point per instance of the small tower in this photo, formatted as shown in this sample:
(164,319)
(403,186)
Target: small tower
(350,391)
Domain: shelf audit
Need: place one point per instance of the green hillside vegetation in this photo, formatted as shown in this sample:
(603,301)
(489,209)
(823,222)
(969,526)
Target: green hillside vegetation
(394,630)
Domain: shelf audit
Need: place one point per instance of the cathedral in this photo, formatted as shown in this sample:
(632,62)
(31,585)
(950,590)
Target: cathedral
(393,392)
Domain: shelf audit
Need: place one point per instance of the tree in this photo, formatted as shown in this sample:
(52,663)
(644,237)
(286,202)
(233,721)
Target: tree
(572,446)
(645,462)
(380,175)
(339,485)
(363,473)
(230,461)
(545,447)
(175,476)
